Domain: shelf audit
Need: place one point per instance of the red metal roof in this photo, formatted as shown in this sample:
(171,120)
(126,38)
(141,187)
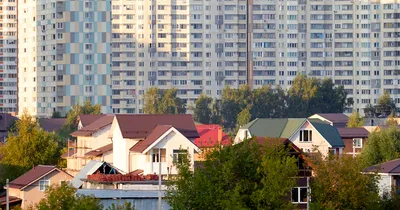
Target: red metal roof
(98,124)
(87,119)
(100,151)
(33,175)
(209,136)
(141,125)
(157,132)
(353,132)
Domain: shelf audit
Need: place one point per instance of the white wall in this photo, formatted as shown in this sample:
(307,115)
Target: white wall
(241,135)
(121,148)
(317,140)
(384,184)
(316,116)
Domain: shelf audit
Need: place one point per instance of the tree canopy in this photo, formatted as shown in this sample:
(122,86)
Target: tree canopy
(243,176)
(28,145)
(383,108)
(355,120)
(203,111)
(157,101)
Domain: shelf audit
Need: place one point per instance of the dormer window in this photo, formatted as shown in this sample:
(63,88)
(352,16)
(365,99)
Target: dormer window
(305,136)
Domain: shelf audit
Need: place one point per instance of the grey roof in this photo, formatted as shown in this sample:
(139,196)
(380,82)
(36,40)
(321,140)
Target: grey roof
(392,166)
(329,132)
(104,194)
(89,169)
(276,128)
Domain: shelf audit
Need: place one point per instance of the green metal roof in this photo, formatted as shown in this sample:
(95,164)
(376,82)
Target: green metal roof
(329,132)
(275,128)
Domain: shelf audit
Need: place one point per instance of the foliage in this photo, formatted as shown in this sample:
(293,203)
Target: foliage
(158,101)
(28,146)
(125,206)
(385,105)
(243,176)
(56,115)
(369,111)
(202,111)
(243,117)
(216,117)
(355,120)
(391,121)
(64,197)
(338,184)
(381,146)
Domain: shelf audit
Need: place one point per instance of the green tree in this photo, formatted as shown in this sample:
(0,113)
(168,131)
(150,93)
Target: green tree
(338,184)
(385,105)
(152,100)
(216,117)
(329,98)
(243,176)
(64,197)
(381,146)
(369,111)
(243,117)
(391,121)
(202,110)
(158,101)
(27,146)
(125,206)
(355,120)
(265,103)
(56,115)
(301,95)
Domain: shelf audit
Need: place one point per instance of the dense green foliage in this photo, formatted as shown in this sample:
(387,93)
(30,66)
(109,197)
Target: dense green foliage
(243,176)
(307,96)
(157,101)
(355,120)
(381,146)
(384,107)
(338,184)
(28,145)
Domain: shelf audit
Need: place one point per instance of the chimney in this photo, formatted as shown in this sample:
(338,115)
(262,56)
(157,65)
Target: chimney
(219,134)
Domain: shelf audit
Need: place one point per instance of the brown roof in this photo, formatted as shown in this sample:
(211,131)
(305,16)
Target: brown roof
(87,119)
(158,131)
(32,175)
(52,124)
(335,117)
(70,153)
(100,151)
(353,132)
(11,199)
(392,166)
(100,123)
(6,121)
(141,125)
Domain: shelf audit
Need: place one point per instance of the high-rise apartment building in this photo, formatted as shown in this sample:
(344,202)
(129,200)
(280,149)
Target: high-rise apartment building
(8,56)
(199,46)
(64,55)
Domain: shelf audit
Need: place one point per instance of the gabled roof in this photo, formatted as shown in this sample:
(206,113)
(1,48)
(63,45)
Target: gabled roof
(87,119)
(335,117)
(141,125)
(100,151)
(330,133)
(157,132)
(6,121)
(274,128)
(33,175)
(353,132)
(98,124)
(90,168)
(392,166)
(209,136)
(52,124)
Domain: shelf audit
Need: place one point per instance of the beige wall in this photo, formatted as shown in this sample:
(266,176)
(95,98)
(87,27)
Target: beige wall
(32,194)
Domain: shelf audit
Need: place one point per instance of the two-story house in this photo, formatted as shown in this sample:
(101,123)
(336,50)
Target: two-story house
(306,134)
(354,139)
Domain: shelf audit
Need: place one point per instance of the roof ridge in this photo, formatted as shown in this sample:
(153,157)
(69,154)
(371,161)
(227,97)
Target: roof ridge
(284,127)
(252,122)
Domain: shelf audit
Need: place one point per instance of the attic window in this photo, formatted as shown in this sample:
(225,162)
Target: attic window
(306,136)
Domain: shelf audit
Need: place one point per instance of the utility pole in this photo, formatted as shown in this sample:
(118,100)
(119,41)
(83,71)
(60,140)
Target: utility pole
(7,196)
(159,179)
(308,193)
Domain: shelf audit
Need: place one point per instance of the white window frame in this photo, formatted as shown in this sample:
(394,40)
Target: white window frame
(298,194)
(361,142)
(43,186)
(176,153)
(301,135)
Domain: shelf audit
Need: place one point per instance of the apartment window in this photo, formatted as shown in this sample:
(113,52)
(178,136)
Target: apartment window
(156,157)
(299,195)
(357,143)
(305,136)
(44,184)
(178,155)
(60,26)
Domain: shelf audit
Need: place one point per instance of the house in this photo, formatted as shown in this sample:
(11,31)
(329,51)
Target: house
(92,143)
(306,134)
(30,187)
(147,142)
(338,120)
(299,194)
(354,139)
(52,124)
(210,137)
(86,119)
(389,173)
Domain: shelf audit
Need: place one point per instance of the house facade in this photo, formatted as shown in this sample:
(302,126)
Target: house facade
(389,176)
(354,139)
(307,134)
(31,186)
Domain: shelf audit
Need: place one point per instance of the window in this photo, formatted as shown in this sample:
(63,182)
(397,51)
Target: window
(156,158)
(305,136)
(178,155)
(299,195)
(44,184)
(357,143)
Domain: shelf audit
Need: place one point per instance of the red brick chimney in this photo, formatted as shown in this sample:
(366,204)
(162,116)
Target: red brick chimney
(219,134)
